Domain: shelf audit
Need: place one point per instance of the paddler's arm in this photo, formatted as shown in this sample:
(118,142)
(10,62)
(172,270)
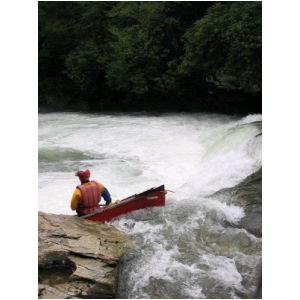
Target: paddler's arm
(75,199)
(106,196)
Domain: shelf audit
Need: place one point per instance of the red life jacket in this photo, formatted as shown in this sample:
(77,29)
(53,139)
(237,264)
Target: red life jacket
(90,198)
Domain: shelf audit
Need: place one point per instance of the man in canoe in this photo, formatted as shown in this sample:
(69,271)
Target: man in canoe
(87,195)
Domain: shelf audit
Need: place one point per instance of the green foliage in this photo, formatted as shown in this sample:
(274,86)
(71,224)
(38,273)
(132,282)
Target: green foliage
(109,54)
(80,63)
(225,46)
(143,44)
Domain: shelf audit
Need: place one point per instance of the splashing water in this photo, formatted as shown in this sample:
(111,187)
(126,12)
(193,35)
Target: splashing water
(195,246)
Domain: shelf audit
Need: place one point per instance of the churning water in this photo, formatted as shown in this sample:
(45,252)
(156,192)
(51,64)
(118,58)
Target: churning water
(205,243)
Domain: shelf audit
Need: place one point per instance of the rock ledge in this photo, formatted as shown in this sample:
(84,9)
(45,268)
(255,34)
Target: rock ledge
(78,258)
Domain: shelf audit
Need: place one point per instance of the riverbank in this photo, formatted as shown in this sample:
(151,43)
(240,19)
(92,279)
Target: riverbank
(209,101)
(78,258)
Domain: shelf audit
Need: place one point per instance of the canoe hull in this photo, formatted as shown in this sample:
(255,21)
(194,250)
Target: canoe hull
(149,198)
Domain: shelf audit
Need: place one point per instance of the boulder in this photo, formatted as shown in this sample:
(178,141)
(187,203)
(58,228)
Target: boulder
(78,258)
(247,194)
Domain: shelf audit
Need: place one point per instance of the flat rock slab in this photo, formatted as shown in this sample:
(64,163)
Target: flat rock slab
(78,258)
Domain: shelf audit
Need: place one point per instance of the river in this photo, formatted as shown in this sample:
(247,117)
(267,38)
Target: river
(206,241)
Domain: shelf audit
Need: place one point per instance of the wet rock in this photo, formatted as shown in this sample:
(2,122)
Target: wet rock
(247,194)
(78,258)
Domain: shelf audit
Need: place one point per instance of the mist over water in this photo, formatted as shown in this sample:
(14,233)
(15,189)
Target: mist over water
(197,246)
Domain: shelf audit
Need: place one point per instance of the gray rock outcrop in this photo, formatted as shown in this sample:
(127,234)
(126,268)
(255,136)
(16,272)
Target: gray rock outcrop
(78,258)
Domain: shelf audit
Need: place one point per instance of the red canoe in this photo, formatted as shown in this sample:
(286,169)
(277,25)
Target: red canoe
(149,198)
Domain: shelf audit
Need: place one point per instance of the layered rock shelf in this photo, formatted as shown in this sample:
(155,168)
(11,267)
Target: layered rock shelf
(78,258)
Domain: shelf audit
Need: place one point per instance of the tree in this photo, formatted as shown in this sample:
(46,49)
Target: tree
(146,55)
(148,44)
(139,56)
(225,46)
(85,63)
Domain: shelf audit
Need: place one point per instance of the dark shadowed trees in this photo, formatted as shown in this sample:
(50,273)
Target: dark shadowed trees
(147,55)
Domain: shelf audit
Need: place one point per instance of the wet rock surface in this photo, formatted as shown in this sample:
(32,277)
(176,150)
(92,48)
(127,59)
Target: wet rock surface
(78,258)
(247,194)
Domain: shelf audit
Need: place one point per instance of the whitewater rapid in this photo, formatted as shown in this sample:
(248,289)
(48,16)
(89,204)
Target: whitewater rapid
(194,246)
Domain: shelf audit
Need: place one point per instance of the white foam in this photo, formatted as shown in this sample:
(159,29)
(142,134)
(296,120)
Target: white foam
(224,269)
(204,154)
(230,157)
(194,292)
(231,213)
(251,118)
(130,226)
(157,266)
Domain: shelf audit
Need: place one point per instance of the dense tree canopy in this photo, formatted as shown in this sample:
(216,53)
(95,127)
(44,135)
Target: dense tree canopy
(148,55)
(226,46)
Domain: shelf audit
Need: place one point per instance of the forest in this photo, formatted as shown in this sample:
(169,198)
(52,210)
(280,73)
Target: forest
(150,56)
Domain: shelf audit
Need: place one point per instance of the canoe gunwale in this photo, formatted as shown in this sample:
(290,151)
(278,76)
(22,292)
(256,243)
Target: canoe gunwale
(136,197)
